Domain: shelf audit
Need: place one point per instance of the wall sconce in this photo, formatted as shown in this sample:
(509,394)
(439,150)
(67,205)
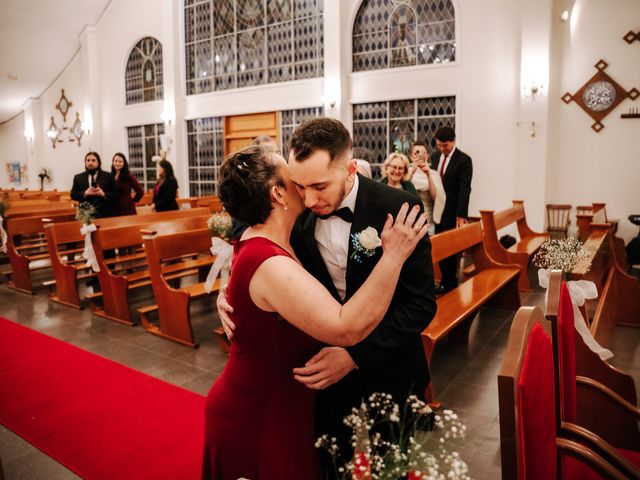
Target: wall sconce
(532,131)
(29,134)
(532,91)
(166,118)
(54,133)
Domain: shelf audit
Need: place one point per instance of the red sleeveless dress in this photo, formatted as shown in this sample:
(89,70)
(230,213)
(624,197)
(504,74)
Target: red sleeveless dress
(259,421)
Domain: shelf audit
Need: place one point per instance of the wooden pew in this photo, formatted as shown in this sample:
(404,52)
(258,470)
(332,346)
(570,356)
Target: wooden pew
(605,400)
(618,301)
(44,208)
(534,442)
(115,285)
(173,303)
(26,243)
(520,253)
(492,284)
(60,234)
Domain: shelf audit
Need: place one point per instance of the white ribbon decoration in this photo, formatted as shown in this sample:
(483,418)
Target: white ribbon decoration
(223,252)
(3,237)
(89,254)
(579,291)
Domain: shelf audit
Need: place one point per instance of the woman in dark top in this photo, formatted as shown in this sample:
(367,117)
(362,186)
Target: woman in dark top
(164,194)
(125,183)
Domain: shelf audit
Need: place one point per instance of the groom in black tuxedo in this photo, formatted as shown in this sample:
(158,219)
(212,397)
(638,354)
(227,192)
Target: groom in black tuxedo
(339,204)
(95,186)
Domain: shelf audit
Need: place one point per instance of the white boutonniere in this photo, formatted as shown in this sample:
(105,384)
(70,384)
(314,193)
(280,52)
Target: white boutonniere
(365,243)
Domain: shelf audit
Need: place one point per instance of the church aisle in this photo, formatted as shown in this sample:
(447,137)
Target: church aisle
(465,375)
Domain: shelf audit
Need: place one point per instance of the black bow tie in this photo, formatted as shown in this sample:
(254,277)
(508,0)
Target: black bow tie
(344,213)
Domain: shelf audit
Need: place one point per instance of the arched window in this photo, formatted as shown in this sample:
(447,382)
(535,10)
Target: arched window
(143,77)
(400,33)
(239,43)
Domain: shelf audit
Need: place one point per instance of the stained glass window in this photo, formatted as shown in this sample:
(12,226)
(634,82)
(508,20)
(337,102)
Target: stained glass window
(239,43)
(144,143)
(205,140)
(400,33)
(385,127)
(143,77)
(205,137)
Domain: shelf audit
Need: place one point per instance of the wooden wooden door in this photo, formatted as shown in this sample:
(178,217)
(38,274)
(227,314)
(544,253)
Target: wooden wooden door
(240,130)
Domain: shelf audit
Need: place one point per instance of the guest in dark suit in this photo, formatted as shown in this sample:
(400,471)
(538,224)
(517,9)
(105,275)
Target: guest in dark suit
(95,186)
(125,183)
(166,189)
(456,169)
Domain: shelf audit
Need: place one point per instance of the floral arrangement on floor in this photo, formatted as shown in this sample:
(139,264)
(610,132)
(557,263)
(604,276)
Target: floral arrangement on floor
(412,448)
(560,254)
(220,225)
(85,213)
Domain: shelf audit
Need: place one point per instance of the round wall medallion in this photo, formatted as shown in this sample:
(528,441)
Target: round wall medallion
(599,96)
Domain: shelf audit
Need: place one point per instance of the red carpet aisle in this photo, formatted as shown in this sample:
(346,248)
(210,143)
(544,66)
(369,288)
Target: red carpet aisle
(98,418)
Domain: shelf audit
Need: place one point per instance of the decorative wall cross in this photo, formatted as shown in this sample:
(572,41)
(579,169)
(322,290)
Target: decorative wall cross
(600,95)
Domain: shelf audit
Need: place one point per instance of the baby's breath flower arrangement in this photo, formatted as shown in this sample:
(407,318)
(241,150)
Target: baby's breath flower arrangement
(220,225)
(391,445)
(85,213)
(560,254)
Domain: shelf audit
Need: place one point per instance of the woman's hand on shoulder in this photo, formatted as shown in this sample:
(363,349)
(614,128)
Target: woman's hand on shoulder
(401,235)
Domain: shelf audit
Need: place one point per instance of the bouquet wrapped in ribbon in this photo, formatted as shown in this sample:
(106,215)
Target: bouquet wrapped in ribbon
(220,227)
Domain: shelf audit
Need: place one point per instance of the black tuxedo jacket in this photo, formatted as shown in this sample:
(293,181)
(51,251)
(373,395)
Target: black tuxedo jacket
(105,181)
(391,359)
(457,186)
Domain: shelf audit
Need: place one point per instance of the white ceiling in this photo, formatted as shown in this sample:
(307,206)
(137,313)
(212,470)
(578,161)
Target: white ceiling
(37,40)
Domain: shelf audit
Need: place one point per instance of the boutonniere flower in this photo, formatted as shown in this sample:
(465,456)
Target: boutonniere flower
(365,243)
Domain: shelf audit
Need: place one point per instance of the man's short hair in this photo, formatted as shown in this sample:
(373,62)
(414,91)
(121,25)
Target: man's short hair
(446,134)
(418,144)
(320,134)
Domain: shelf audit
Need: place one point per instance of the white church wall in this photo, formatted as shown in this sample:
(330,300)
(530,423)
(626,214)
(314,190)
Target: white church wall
(585,166)
(12,148)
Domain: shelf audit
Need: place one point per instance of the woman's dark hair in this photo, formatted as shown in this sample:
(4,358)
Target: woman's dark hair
(168,169)
(246,177)
(124,171)
(97,156)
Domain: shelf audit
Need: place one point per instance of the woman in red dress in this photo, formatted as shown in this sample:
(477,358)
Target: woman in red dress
(125,184)
(259,421)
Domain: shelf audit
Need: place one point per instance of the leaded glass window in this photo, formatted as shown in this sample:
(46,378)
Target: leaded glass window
(290,119)
(205,140)
(385,127)
(239,43)
(400,33)
(143,77)
(144,143)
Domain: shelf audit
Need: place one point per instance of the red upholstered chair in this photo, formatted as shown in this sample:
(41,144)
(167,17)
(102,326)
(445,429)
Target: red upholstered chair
(529,444)
(585,401)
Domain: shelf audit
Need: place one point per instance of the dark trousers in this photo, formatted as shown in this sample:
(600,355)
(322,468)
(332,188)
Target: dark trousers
(449,265)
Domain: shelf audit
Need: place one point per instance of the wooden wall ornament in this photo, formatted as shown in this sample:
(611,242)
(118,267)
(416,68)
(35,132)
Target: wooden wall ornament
(63,105)
(600,95)
(632,36)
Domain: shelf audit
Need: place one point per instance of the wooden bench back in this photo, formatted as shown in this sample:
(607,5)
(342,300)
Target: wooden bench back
(41,207)
(27,225)
(507,217)
(107,238)
(70,231)
(454,241)
(160,247)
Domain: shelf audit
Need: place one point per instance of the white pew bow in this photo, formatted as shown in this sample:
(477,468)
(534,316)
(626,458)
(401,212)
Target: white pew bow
(88,253)
(3,237)
(223,252)
(579,290)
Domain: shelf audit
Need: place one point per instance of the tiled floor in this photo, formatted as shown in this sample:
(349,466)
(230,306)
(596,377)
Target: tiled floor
(464,374)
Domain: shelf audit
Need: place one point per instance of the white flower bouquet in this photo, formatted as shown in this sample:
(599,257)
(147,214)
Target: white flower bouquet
(560,254)
(389,445)
(85,213)
(220,225)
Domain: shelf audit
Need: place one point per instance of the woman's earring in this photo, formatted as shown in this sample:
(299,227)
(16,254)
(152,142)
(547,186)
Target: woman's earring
(286,207)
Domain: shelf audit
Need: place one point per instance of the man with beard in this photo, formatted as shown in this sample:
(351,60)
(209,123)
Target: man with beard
(95,186)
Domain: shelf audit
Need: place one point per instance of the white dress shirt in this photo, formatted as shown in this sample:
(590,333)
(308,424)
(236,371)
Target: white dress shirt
(332,237)
(446,165)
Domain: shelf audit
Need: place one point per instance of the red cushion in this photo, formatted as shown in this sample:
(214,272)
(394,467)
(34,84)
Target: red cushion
(537,407)
(573,469)
(567,355)
(632,456)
